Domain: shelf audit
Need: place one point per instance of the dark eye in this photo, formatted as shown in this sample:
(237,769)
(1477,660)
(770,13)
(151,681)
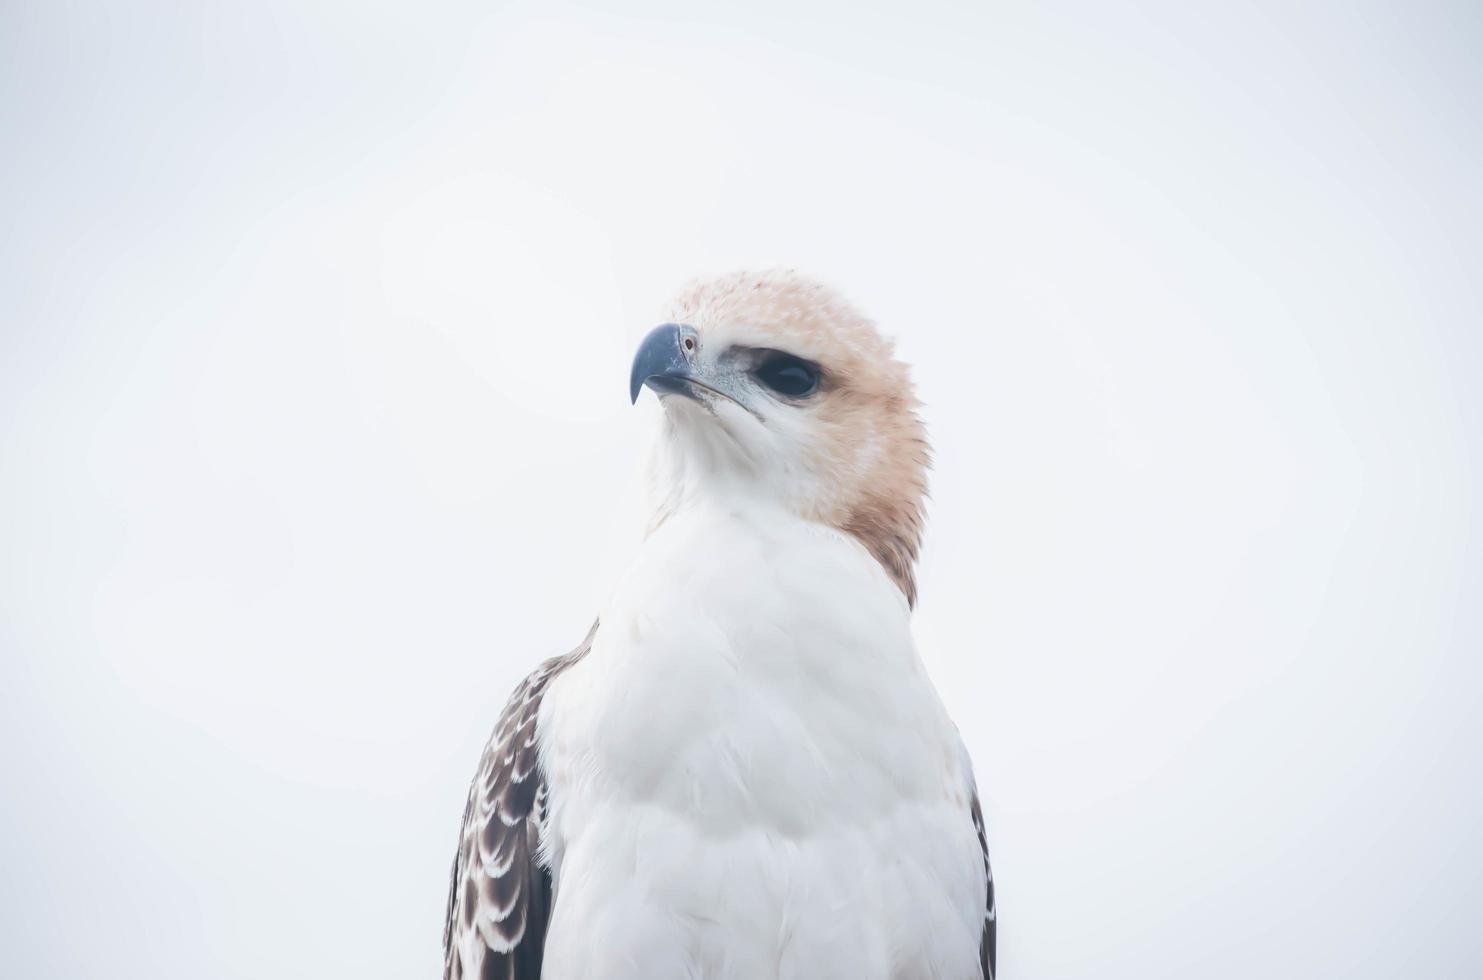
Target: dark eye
(788,375)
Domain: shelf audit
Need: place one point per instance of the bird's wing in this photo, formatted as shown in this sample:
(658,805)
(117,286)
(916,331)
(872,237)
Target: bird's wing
(499,899)
(987,945)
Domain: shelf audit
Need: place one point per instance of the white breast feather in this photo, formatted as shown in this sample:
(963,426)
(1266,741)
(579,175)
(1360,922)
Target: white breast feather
(752,767)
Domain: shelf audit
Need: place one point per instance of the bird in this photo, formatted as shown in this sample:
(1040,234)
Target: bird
(743,771)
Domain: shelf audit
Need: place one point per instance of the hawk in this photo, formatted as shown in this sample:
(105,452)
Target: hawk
(743,771)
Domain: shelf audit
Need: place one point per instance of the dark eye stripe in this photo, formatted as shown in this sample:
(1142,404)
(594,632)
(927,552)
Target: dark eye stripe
(788,375)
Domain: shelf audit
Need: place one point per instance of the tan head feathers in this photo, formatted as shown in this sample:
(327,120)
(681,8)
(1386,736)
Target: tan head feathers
(859,435)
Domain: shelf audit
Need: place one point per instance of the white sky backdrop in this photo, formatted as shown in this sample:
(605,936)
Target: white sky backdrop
(314,438)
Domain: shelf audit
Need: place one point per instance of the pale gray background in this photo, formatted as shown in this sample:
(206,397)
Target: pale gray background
(314,438)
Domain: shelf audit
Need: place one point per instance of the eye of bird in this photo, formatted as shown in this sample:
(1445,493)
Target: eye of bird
(787,375)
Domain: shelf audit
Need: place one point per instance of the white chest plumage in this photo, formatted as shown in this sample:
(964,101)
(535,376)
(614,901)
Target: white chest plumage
(751,775)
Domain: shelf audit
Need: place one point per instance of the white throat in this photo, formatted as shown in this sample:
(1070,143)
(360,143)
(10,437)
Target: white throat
(715,454)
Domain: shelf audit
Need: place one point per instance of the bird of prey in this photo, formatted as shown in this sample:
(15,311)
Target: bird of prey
(744,770)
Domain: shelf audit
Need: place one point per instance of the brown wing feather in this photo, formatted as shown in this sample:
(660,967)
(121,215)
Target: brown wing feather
(499,898)
(987,947)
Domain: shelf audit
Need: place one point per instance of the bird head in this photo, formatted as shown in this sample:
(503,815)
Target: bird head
(773,386)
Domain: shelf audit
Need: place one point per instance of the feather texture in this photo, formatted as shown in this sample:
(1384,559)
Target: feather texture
(987,948)
(499,896)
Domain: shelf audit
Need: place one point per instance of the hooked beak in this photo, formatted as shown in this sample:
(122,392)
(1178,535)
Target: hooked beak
(666,362)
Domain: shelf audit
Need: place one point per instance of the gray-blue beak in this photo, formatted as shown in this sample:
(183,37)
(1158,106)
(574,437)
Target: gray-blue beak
(665,361)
